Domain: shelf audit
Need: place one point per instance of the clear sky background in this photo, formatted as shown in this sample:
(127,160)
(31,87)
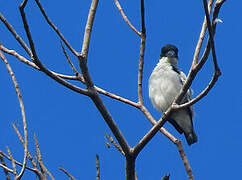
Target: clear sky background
(68,126)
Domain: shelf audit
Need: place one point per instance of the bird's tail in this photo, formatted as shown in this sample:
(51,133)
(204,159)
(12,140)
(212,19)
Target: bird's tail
(191,137)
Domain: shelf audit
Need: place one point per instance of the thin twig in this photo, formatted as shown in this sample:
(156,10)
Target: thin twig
(5,168)
(35,170)
(142,53)
(218,4)
(67,173)
(115,144)
(39,158)
(210,30)
(97,167)
(10,71)
(55,28)
(29,63)
(15,34)
(13,163)
(201,36)
(22,141)
(69,61)
(125,18)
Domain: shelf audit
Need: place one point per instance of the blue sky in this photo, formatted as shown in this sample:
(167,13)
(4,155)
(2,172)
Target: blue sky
(69,128)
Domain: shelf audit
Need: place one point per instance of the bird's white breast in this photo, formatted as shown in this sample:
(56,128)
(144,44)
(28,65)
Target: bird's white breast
(164,86)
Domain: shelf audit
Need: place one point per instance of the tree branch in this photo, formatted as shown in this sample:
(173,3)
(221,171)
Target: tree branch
(39,158)
(88,28)
(69,61)
(67,173)
(16,36)
(115,144)
(125,18)
(94,95)
(10,71)
(5,168)
(55,28)
(98,167)
(197,67)
(201,37)
(142,52)
(38,62)
(13,163)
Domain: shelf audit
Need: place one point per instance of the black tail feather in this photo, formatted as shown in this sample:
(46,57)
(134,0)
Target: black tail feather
(191,138)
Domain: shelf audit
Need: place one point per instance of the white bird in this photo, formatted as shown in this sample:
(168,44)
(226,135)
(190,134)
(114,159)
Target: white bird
(165,84)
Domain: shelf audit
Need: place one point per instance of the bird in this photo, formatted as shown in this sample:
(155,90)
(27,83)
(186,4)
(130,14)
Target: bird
(165,83)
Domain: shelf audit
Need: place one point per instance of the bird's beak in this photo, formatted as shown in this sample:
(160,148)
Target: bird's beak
(171,53)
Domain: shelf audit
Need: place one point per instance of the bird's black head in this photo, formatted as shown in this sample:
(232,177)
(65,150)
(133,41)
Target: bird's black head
(169,50)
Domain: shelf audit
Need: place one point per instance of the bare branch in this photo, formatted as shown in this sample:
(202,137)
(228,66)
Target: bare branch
(79,77)
(201,37)
(5,168)
(201,95)
(218,4)
(35,57)
(98,167)
(39,158)
(88,28)
(185,160)
(142,52)
(94,95)
(67,173)
(55,28)
(10,71)
(35,170)
(17,37)
(29,63)
(38,62)
(119,98)
(22,141)
(13,163)
(130,167)
(85,46)
(198,66)
(176,141)
(125,18)
(115,144)
(69,61)
(149,135)
(210,30)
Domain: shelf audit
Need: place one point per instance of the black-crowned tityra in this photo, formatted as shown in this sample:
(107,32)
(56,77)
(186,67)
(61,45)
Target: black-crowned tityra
(165,84)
